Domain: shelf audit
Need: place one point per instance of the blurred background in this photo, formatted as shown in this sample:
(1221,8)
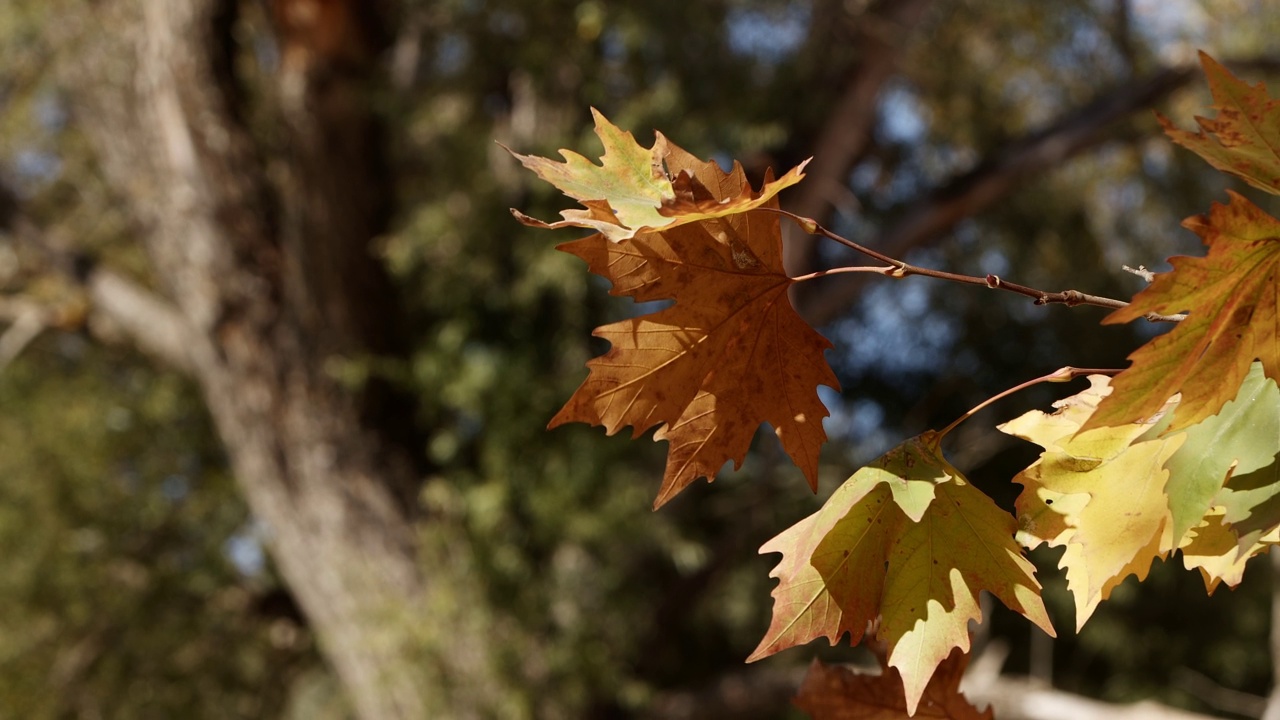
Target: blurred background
(276,361)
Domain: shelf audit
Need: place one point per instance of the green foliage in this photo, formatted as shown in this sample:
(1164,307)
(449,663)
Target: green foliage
(116,508)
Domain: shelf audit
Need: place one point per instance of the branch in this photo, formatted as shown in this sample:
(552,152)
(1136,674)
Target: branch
(764,692)
(153,324)
(150,322)
(996,177)
(28,320)
(896,268)
(846,133)
(1025,699)
(1272,710)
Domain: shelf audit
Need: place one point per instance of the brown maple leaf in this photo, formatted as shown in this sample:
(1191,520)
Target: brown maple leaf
(730,354)
(836,693)
(1232,297)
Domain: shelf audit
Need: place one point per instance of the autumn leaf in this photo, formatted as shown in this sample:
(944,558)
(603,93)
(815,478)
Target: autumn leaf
(1251,503)
(630,191)
(1215,551)
(1232,297)
(730,354)
(1117,498)
(835,693)
(1245,138)
(1243,437)
(906,543)
(1098,492)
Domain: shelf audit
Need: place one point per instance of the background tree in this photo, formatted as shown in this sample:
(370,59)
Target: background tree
(258,264)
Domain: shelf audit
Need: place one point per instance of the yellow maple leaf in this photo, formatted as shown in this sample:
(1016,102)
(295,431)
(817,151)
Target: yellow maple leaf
(1106,488)
(1215,551)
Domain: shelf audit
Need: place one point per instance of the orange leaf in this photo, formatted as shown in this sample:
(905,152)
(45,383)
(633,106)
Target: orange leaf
(1246,133)
(1232,297)
(730,354)
(835,693)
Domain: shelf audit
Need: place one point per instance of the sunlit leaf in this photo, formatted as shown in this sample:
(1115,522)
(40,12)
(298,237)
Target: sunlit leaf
(905,545)
(634,190)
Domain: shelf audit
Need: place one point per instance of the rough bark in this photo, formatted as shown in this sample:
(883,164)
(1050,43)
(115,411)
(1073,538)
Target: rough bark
(270,290)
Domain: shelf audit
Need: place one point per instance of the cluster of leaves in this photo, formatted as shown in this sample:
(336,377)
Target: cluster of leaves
(1176,453)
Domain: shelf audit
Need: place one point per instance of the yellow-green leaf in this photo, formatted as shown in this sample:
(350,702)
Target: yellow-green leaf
(905,545)
(634,190)
(1115,520)
(1215,552)
(1243,437)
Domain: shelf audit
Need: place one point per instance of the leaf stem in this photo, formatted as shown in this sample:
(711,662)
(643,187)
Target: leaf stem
(1063,374)
(899,269)
(840,270)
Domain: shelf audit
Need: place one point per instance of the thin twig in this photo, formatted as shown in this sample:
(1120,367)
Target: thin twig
(1141,271)
(900,269)
(1063,374)
(840,270)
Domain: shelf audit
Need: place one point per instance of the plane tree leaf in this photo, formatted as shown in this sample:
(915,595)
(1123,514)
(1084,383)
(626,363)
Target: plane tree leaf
(1242,438)
(1119,497)
(1215,550)
(1244,139)
(729,354)
(1232,297)
(1251,503)
(634,190)
(831,692)
(904,546)
(1105,489)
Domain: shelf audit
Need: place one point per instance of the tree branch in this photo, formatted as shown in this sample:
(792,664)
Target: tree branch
(996,177)
(1014,698)
(898,269)
(846,133)
(764,692)
(116,304)
(151,323)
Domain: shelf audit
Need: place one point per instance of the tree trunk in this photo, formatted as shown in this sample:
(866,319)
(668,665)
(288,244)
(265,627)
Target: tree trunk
(272,290)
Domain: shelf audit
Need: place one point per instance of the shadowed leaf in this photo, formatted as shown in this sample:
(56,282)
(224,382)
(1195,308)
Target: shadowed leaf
(835,693)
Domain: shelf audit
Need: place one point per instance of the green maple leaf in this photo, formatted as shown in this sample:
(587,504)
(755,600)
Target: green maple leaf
(1251,503)
(631,191)
(1232,297)
(1244,139)
(1242,438)
(905,544)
